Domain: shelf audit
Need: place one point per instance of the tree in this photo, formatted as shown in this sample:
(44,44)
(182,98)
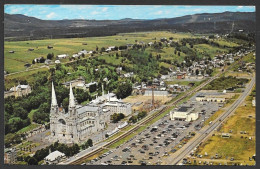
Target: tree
(124,89)
(179,54)
(133,119)
(50,56)
(90,142)
(33,62)
(32,161)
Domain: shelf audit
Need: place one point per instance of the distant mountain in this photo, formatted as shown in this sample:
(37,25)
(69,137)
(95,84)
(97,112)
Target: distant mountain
(22,27)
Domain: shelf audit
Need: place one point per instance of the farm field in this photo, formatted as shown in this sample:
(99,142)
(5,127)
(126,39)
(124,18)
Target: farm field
(15,62)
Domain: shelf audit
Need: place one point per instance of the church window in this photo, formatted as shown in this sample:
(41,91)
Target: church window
(63,135)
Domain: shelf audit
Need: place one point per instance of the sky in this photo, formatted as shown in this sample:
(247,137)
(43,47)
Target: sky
(115,12)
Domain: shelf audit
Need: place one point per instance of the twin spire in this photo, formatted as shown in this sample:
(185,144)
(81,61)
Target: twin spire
(71,99)
(54,100)
(53,97)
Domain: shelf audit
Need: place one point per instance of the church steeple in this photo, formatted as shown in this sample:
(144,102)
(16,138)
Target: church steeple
(53,97)
(71,99)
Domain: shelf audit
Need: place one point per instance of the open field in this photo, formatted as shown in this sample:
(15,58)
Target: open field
(142,99)
(238,146)
(15,61)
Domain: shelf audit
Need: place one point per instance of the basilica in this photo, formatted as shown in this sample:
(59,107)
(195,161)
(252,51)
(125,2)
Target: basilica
(78,123)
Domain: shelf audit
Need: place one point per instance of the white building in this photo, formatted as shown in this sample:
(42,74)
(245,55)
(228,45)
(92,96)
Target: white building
(62,56)
(184,114)
(156,93)
(57,62)
(54,158)
(205,98)
(110,102)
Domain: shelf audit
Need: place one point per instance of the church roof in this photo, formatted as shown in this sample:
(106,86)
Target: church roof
(87,109)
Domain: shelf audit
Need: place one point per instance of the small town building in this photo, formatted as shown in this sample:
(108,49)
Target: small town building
(184,114)
(57,62)
(62,56)
(209,98)
(149,92)
(10,156)
(54,158)
(225,135)
(18,91)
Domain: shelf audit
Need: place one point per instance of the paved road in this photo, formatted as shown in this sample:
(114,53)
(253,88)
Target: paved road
(207,130)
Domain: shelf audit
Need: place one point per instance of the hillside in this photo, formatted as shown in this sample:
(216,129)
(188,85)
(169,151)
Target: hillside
(20,27)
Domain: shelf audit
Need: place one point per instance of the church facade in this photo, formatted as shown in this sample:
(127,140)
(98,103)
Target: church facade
(78,123)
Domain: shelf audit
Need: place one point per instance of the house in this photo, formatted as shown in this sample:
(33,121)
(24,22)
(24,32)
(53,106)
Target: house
(62,56)
(10,156)
(180,75)
(57,62)
(18,91)
(30,49)
(54,158)
(118,70)
(225,135)
(150,43)
(47,61)
(49,47)
(184,114)
(76,55)
(77,83)
(83,51)
(11,51)
(110,48)
(130,74)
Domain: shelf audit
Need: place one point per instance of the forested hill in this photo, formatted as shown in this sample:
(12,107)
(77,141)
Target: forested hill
(21,27)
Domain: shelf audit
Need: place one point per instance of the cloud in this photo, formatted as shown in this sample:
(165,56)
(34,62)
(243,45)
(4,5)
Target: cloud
(158,12)
(15,10)
(50,15)
(104,9)
(94,13)
(239,7)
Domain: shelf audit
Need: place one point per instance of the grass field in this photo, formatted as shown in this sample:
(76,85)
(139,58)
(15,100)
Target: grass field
(11,80)
(238,145)
(15,61)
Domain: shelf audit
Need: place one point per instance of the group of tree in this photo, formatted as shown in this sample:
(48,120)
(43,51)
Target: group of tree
(42,153)
(116,117)
(87,144)
(226,83)
(139,116)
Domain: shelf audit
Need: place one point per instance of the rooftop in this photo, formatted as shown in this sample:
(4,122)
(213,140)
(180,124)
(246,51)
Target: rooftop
(184,109)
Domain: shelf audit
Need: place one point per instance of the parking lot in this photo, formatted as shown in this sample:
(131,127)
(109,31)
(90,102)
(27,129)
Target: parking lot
(159,139)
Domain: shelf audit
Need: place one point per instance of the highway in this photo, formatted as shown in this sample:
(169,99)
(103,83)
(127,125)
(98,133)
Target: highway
(207,130)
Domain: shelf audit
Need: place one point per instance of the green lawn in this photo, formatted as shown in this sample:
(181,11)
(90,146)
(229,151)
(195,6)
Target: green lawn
(28,128)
